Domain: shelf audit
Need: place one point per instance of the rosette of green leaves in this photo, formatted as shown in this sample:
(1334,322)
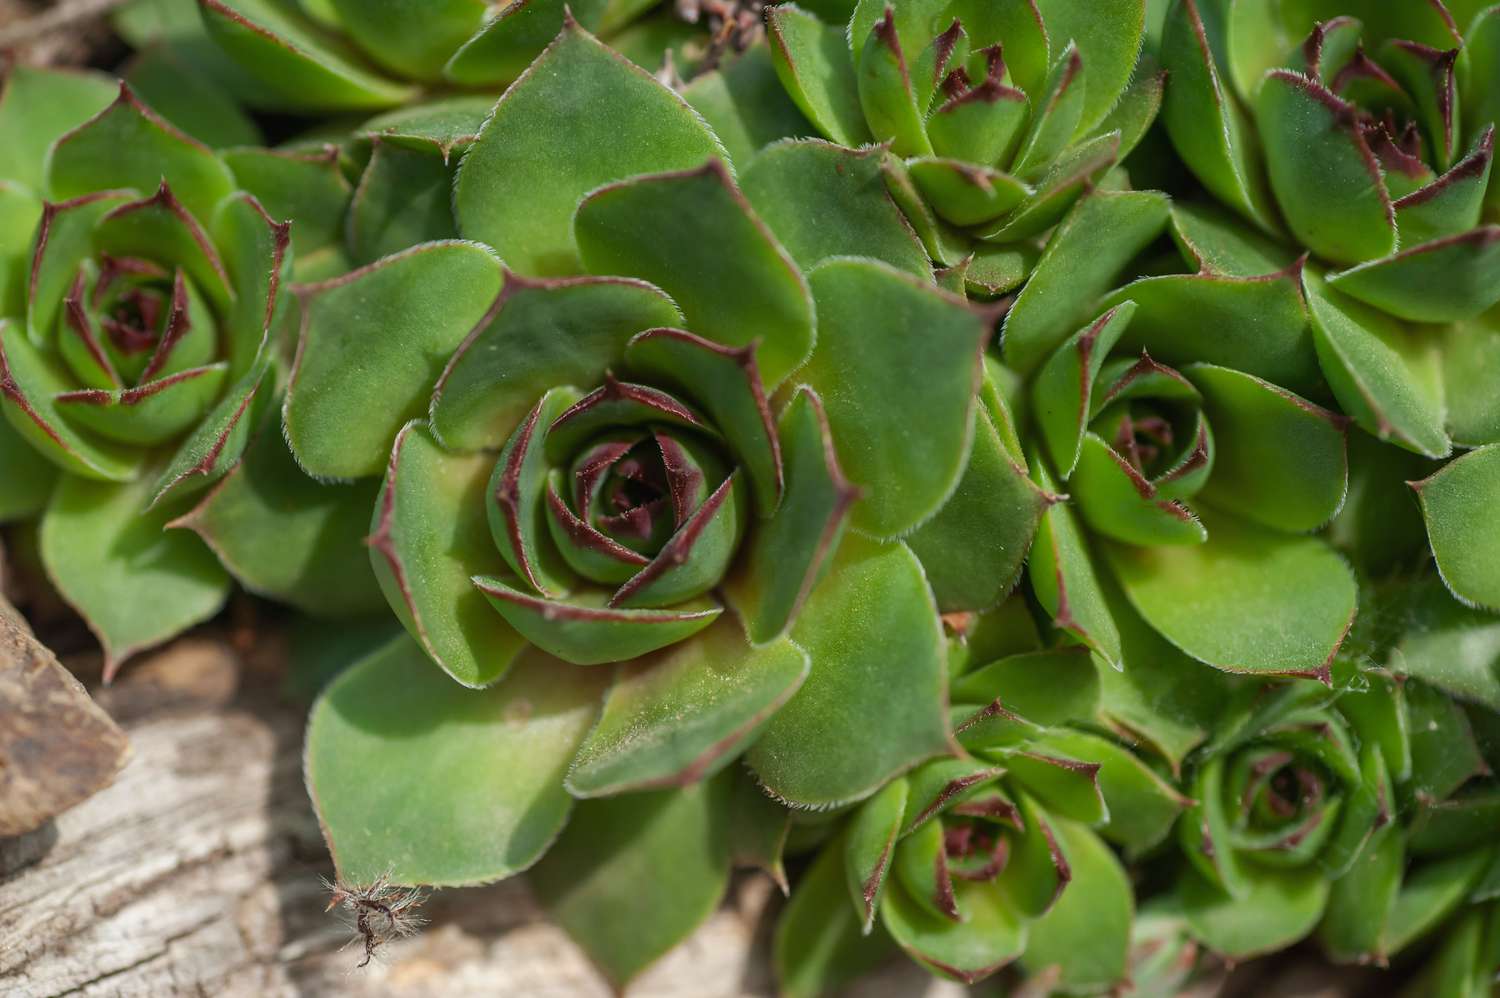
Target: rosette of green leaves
(998,115)
(1361,134)
(998,853)
(321,56)
(615,471)
(141,286)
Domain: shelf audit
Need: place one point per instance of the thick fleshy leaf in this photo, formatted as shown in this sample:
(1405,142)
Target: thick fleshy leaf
(745,104)
(1058,188)
(1082,260)
(404,197)
(973,549)
(1430,893)
(37,107)
(758,829)
(1326,179)
(886,93)
(517,496)
(869,318)
(133,583)
(1208,128)
(1160,696)
(812,60)
(160,228)
(150,415)
(28,480)
(429,536)
(1259,325)
(295,64)
(1057,114)
(784,555)
(216,445)
(580,116)
(634,875)
(818,944)
(993,935)
(1062,398)
(1086,934)
(64,239)
(29,383)
(441,784)
(511,37)
(682,714)
(1458,503)
(1471,363)
(307,186)
(412,42)
(1382,373)
(1142,805)
(1281,907)
(286,536)
(539,334)
(1246,600)
(1138,107)
(966,194)
(1063,576)
(1045,687)
(823,200)
(1115,500)
(1065,787)
(1109,38)
(1444,752)
(725,382)
(1360,902)
(869,846)
(1212,241)
(747,290)
(373,343)
(1279,459)
(875,641)
(128,145)
(586,630)
(1451,204)
(1451,646)
(1457,277)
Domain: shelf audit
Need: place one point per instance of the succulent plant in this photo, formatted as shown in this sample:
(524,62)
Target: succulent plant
(323,56)
(971,863)
(997,115)
(638,441)
(138,365)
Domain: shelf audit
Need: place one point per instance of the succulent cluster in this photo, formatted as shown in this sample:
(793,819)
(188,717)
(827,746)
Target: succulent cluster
(1023,474)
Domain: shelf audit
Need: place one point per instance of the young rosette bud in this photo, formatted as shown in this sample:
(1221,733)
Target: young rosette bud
(616,475)
(997,116)
(1365,141)
(363,55)
(135,358)
(973,862)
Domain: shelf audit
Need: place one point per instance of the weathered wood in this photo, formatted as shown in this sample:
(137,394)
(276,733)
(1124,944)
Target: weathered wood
(56,746)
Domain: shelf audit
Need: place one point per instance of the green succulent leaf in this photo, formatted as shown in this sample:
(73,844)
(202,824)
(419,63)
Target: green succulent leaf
(1081,262)
(748,290)
(1281,907)
(682,714)
(428,538)
(974,548)
(444,785)
(1109,38)
(581,116)
(1261,324)
(404,197)
(1457,501)
(412,41)
(1062,398)
(812,60)
(1057,114)
(1063,786)
(295,64)
(822,200)
(1452,646)
(633,876)
(134,584)
(873,635)
(993,935)
(1471,363)
(29,477)
(1279,459)
(1246,600)
(1048,687)
(306,185)
(748,108)
(818,943)
(286,536)
(758,829)
(1063,577)
(1382,373)
(1086,934)
(373,344)
(1141,804)
(1456,277)
(885,90)
(1360,902)
(784,555)
(869,846)
(1430,893)
(868,318)
(128,145)
(1212,241)
(537,335)
(37,107)
(190,98)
